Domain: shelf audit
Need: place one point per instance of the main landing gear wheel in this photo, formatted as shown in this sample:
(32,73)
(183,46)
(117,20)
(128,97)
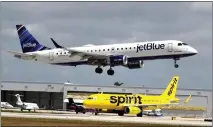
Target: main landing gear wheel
(141,113)
(110,72)
(120,113)
(96,112)
(99,70)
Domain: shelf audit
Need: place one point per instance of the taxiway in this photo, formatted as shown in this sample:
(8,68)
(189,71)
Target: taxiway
(108,117)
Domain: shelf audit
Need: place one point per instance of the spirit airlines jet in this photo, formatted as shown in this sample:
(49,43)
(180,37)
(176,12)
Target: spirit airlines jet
(150,110)
(133,104)
(130,55)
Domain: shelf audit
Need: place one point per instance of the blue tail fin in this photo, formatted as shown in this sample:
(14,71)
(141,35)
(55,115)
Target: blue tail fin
(28,42)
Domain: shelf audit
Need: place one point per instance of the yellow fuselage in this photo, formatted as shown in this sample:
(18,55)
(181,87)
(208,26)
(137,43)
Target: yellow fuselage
(118,102)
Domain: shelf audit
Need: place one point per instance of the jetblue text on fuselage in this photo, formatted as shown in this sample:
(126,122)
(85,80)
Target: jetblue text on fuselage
(150,46)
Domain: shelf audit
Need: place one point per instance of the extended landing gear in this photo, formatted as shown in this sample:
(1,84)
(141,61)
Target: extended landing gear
(110,72)
(99,70)
(120,113)
(141,113)
(175,63)
(96,111)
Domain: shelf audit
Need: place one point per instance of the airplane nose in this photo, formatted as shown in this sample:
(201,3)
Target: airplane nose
(194,51)
(84,102)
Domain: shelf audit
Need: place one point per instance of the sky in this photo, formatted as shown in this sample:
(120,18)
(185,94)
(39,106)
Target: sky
(79,23)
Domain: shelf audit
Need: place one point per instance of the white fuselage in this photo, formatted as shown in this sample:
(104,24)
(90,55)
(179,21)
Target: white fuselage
(28,106)
(25,105)
(141,50)
(6,105)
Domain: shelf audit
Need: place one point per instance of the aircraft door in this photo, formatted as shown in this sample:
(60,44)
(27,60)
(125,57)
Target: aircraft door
(170,47)
(51,56)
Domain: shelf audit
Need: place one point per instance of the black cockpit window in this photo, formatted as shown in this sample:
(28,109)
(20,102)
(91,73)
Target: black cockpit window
(179,44)
(89,98)
(184,44)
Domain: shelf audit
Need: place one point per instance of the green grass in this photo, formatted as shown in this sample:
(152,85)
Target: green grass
(17,111)
(18,121)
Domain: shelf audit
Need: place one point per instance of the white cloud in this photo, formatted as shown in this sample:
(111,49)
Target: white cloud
(195,35)
(201,6)
(9,32)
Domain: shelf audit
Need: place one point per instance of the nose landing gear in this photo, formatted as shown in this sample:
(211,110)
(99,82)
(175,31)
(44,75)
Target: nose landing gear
(175,62)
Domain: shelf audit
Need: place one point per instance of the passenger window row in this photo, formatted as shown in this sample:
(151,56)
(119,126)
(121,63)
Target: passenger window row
(151,100)
(62,53)
(111,49)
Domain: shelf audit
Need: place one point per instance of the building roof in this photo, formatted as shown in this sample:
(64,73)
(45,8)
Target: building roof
(40,84)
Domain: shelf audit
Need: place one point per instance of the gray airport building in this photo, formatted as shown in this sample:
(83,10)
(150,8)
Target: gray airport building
(51,95)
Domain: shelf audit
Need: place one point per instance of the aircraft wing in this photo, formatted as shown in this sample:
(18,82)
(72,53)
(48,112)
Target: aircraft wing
(22,55)
(85,55)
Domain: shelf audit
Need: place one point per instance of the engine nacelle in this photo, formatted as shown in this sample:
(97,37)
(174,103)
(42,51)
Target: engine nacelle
(118,60)
(132,110)
(135,64)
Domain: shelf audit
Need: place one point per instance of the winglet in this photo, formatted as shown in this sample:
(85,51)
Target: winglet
(101,92)
(56,44)
(188,99)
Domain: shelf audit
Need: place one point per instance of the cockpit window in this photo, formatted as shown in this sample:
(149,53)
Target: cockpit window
(90,98)
(179,44)
(184,44)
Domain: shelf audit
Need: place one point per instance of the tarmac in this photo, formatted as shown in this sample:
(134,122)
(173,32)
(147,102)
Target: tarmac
(109,117)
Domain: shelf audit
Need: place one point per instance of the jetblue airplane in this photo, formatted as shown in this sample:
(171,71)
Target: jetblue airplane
(129,55)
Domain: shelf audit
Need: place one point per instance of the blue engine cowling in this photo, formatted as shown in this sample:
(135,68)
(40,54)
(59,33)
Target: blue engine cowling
(118,60)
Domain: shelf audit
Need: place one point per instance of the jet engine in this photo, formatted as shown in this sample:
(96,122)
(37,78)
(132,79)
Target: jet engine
(118,60)
(132,110)
(135,64)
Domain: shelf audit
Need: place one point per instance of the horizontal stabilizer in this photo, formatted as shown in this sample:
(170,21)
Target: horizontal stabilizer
(22,55)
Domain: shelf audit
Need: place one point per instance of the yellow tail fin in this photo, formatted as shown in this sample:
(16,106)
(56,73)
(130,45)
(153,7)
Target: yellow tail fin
(170,91)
